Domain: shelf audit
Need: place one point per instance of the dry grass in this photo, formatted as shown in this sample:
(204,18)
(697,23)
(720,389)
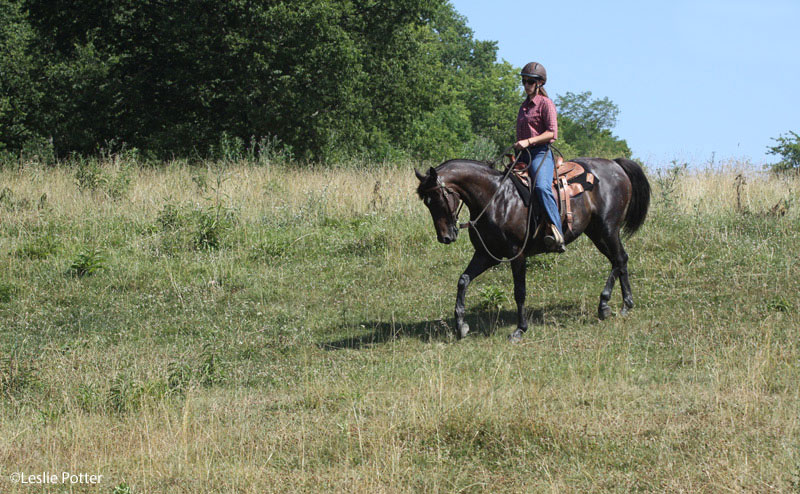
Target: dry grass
(309,350)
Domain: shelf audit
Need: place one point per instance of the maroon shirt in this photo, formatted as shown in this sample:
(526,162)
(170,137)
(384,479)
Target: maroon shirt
(536,116)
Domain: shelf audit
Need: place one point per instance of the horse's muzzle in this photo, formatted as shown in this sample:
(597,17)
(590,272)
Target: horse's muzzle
(449,238)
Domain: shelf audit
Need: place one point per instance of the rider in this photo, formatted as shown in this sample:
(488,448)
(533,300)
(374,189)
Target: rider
(536,128)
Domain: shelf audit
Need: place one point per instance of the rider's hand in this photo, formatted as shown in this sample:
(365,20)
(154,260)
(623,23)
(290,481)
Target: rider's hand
(520,145)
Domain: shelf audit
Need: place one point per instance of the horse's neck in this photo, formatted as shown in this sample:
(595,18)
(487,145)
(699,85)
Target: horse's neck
(474,184)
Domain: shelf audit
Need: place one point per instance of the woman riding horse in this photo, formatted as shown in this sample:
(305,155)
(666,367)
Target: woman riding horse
(537,127)
(499,222)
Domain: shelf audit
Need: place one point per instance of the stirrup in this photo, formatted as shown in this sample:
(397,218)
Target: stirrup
(553,242)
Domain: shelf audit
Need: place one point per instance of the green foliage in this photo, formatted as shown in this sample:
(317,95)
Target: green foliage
(88,397)
(209,229)
(7,292)
(337,80)
(788,148)
(125,394)
(779,304)
(20,78)
(89,176)
(188,227)
(122,488)
(492,297)
(667,184)
(9,201)
(114,180)
(584,127)
(39,247)
(87,263)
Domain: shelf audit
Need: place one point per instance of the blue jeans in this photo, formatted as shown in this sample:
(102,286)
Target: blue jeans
(543,187)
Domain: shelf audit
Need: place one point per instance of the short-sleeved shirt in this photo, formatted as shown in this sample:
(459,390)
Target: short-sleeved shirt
(536,116)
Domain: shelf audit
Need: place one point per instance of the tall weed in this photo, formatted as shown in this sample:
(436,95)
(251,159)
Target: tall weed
(88,262)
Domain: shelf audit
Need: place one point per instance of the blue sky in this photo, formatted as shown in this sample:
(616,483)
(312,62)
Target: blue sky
(692,79)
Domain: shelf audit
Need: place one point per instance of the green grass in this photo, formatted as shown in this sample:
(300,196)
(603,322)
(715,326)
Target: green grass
(287,330)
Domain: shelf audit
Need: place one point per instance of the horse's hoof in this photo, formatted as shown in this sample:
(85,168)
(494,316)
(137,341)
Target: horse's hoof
(462,331)
(516,336)
(604,312)
(626,307)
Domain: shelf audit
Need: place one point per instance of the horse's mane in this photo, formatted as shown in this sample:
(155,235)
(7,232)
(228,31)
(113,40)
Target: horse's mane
(447,165)
(482,164)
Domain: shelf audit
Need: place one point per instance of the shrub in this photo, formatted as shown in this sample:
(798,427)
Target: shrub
(87,263)
(9,202)
(7,292)
(491,298)
(39,247)
(188,227)
(667,181)
(122,488)
(125,394)
(788,149)
(88,175)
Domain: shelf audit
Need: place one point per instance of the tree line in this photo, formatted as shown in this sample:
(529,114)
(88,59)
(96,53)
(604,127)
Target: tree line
(325,80)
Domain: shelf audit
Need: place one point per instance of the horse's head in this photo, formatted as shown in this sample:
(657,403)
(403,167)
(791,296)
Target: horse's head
(442,202)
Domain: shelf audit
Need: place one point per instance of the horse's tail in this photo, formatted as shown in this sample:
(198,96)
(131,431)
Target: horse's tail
(640,196)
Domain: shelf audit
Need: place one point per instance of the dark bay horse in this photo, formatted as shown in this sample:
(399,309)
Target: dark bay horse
(619,200)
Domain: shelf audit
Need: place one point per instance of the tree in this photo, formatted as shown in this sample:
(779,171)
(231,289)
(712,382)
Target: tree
(20,93)
(788,149)
(584,126)
(331,79)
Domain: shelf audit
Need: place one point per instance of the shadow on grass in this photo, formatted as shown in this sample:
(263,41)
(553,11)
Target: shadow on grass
(481,322)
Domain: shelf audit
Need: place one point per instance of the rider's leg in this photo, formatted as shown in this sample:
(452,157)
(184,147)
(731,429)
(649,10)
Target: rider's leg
(543,191)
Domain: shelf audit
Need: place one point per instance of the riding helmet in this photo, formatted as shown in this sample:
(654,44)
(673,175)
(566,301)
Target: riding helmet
(535,70)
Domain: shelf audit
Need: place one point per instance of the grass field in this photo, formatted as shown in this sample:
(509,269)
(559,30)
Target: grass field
(235,328)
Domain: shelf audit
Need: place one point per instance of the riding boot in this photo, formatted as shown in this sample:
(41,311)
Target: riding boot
(554,240)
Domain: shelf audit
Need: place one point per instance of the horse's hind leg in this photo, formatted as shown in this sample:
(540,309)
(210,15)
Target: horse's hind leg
(611,247)
(478,264)
(627,295)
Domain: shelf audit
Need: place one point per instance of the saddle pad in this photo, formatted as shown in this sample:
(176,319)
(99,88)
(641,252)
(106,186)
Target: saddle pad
(522,187)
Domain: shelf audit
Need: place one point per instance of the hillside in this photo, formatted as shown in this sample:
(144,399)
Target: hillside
(234,328)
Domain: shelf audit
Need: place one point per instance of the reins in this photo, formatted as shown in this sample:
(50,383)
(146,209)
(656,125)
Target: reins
(472,223)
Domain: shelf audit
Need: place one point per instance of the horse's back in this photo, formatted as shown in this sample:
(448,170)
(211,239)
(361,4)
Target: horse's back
(603,206)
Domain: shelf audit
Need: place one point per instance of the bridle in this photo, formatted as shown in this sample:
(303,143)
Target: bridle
(446,191)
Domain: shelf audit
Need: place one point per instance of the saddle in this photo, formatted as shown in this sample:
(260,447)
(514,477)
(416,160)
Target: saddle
(570,179)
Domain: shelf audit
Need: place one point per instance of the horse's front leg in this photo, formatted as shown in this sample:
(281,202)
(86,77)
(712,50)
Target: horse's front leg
(518,268)
(479,263)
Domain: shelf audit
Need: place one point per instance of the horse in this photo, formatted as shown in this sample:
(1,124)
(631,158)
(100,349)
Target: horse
(500,224)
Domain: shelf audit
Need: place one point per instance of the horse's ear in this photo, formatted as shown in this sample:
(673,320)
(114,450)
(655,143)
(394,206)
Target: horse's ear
(420,176)
(432,173)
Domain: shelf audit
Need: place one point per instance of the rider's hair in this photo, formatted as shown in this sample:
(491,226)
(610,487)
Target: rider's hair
(541,90)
